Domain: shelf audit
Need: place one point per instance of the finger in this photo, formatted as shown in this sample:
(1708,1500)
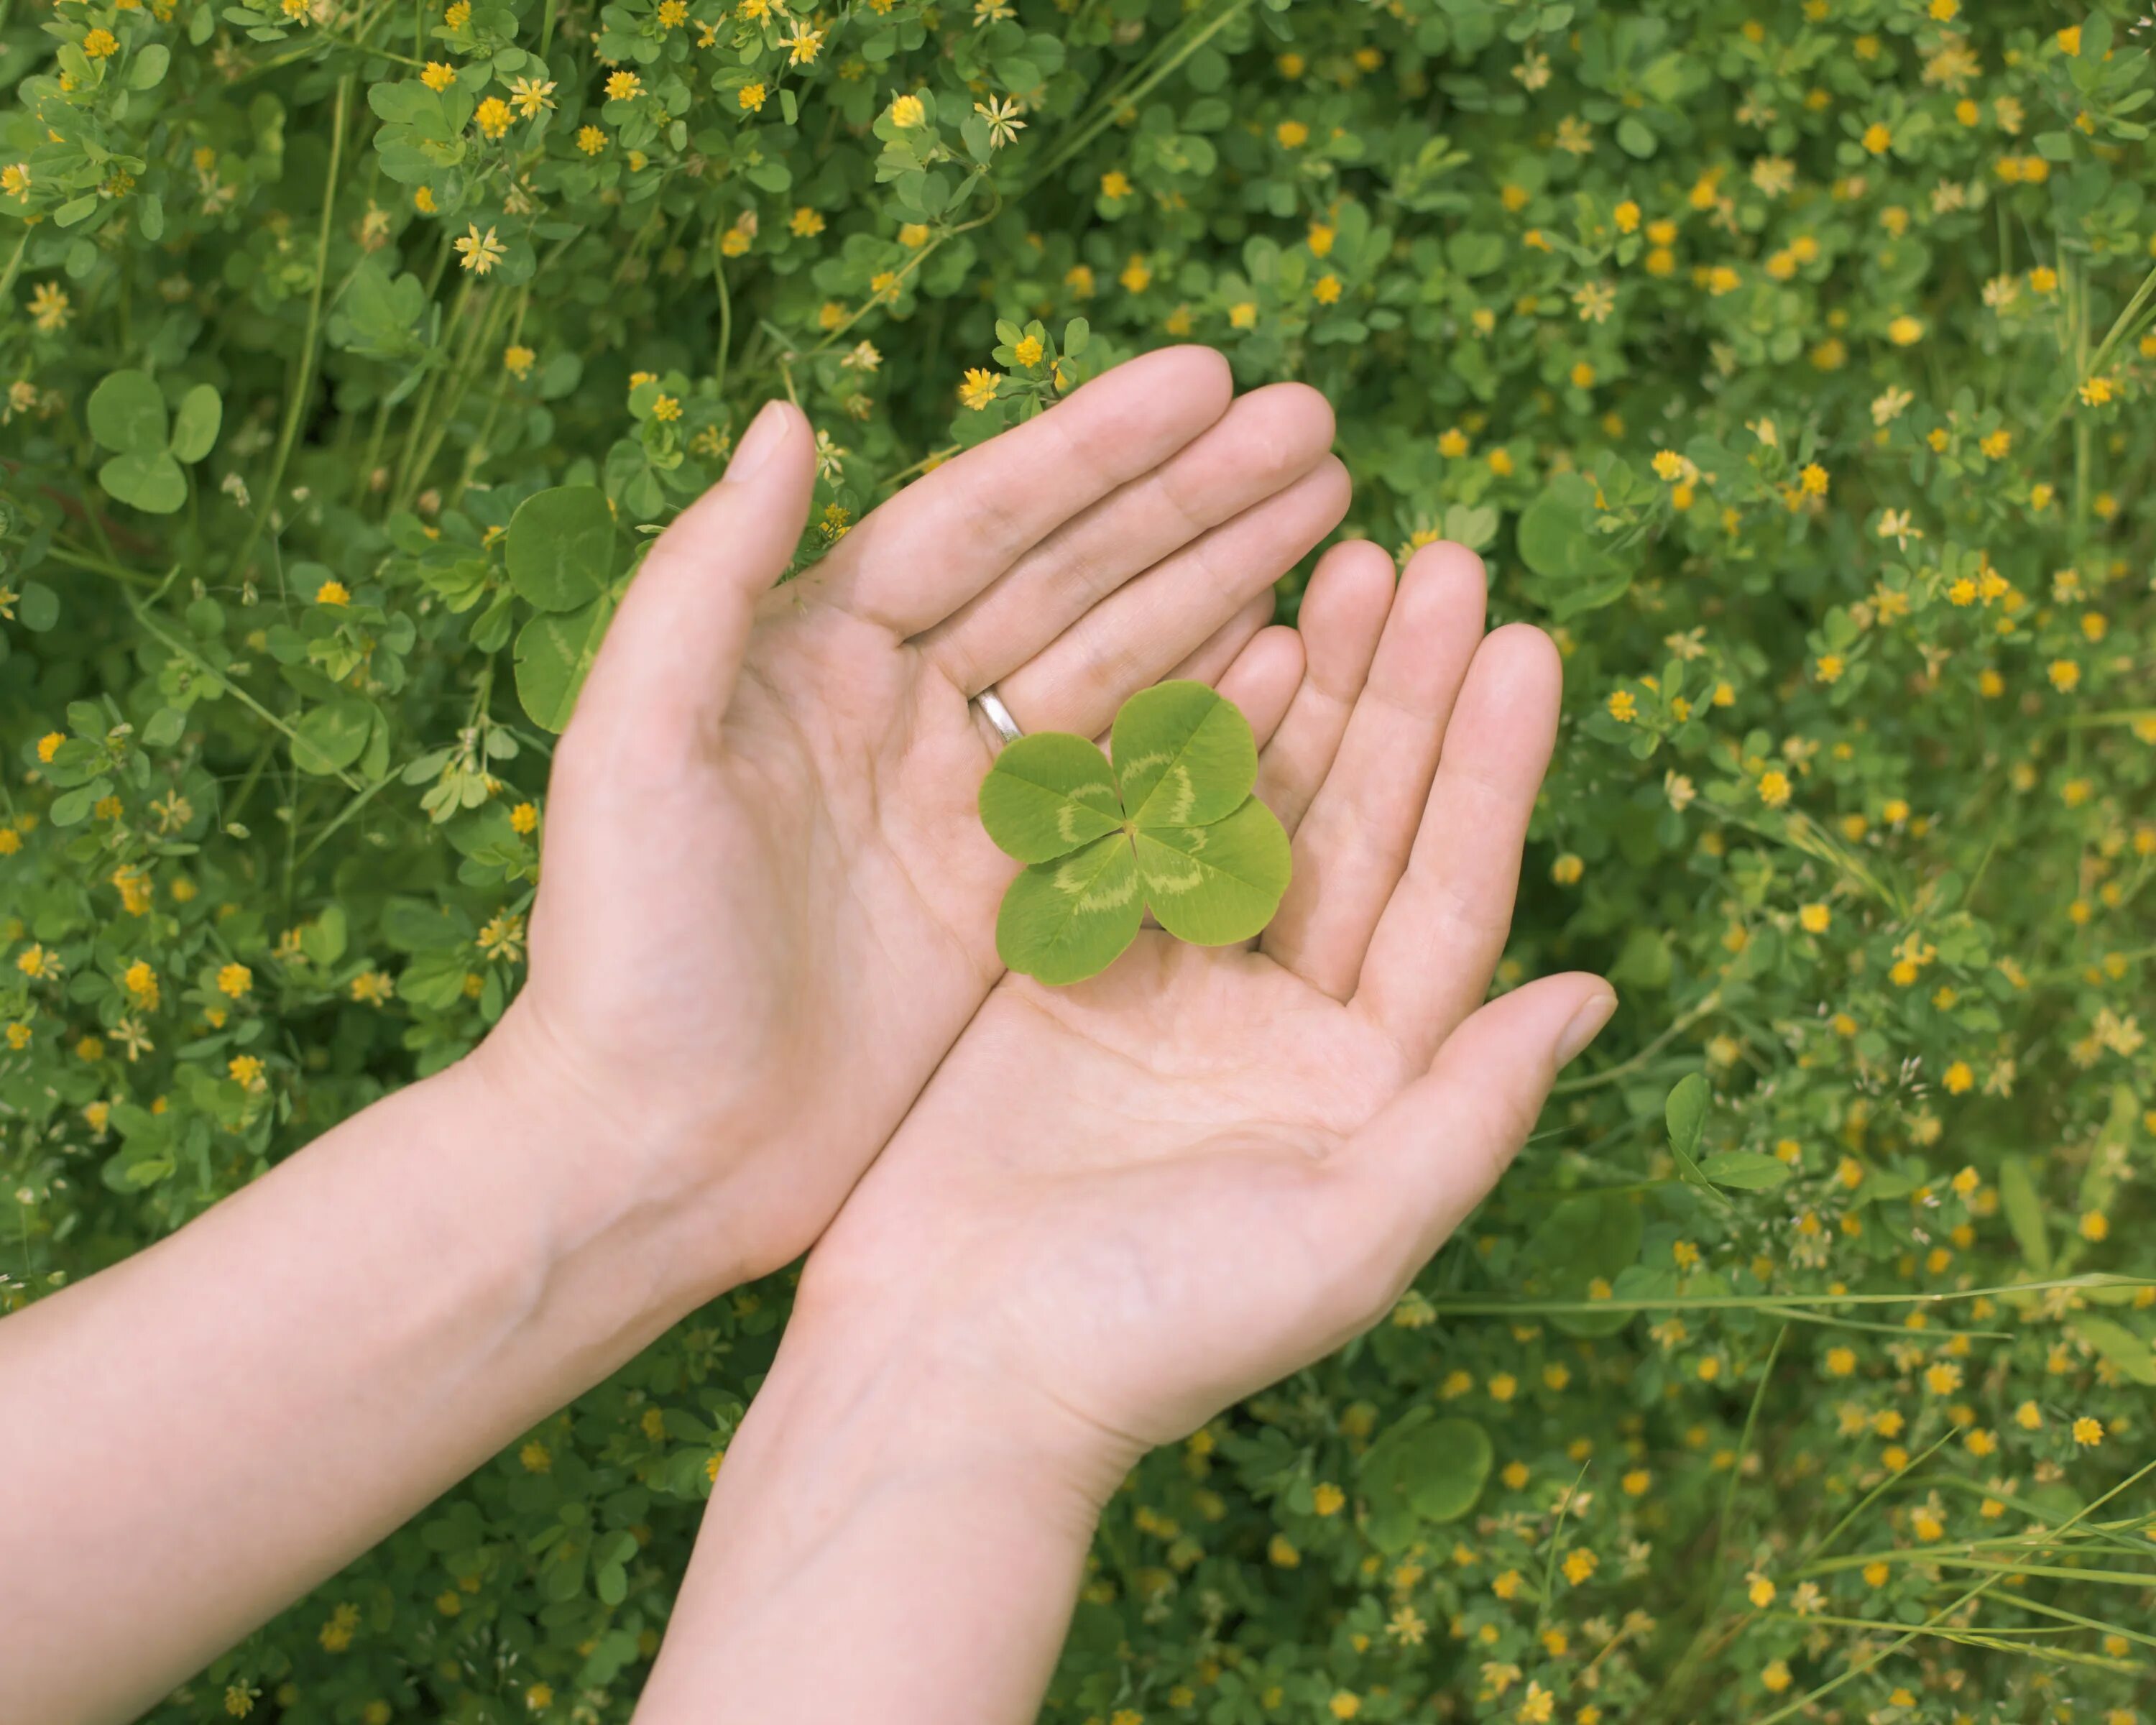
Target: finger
(1221,648)
(1353,846)
(935,545)
(1418,1169)
(1263,679)
(1267,440)
(1226,643)
(1442,934)
(666,670)
(1131,638)
(1343,612)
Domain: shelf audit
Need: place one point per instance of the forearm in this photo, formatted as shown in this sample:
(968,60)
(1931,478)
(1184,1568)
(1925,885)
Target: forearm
(197,1436)
(881,1545)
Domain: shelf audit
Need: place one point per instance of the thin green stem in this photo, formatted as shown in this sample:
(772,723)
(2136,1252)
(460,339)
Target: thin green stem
(295,407)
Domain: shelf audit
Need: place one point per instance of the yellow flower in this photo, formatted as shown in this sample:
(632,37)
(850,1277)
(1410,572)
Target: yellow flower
(1773,787)
(2088,1432)
(517,361)
(978,389)
(1292,134)
(1623,706)
(751,97)
(1326,291)
(101,44)
(531,95)
(907,111)
(624,86)
(439,75)
(591,140)
(1326,1499)
(1906,331)
(493,117)
(481,253)
(15,180)
(1877,138)
(234,980)
(1028,351)
(332,593)
(665,408)
(1813,919)
(49,307)
(1115,183)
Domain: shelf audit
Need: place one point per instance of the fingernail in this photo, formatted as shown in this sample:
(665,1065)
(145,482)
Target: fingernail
(1584,1025)
(766,432)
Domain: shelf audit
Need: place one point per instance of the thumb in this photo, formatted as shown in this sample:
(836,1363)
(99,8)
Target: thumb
(672,652)
(1425,1160)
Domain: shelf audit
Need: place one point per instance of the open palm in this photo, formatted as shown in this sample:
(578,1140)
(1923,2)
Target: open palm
(765,915)
(1144,1195)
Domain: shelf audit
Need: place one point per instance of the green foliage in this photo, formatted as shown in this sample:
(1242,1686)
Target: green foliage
(1793,363)
(126,414)
(1173,827)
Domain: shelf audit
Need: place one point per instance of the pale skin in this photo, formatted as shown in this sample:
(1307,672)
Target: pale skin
(1122,1205)
(759,929)
(766,918)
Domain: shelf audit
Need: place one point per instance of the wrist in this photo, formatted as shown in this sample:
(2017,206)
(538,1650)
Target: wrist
(929,1406)
(883,1500)
(617,1178)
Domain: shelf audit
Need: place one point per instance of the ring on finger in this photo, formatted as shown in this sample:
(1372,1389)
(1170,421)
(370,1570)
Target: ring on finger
(999,716)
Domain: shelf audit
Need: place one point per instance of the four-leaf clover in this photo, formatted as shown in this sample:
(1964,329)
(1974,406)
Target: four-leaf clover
(1172,827)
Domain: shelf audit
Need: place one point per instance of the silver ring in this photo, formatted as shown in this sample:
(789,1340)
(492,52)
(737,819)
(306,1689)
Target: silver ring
(993,709)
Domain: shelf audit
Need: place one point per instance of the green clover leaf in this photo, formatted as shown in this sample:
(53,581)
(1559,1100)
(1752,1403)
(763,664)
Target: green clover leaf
(127,416)
(560,553)
(1172,827)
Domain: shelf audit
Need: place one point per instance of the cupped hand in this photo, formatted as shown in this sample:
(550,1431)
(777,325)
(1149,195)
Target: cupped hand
(766,908)
(1121,1205)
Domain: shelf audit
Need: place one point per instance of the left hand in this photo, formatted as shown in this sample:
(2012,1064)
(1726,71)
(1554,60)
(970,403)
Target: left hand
(1123,1205)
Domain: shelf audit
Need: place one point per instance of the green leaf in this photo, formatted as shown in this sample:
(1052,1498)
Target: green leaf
(1686,1115)
(153,483)
(1184,756)
(1215,885)
(2118,1344)
(1062,921)
(2025,1213)
(328,738)
(1596,1235)
(1746,1170)
(1422,1470)
(127,415)
(40,607)
(553,653)
(561,548)
(1048,794)
(194,430)
(149,67)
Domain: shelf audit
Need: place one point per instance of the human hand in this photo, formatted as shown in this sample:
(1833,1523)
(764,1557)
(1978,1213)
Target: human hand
(1121,1205)
(766,907)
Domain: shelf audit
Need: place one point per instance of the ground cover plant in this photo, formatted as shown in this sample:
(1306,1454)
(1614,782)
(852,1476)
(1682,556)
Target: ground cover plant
(1791,363)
